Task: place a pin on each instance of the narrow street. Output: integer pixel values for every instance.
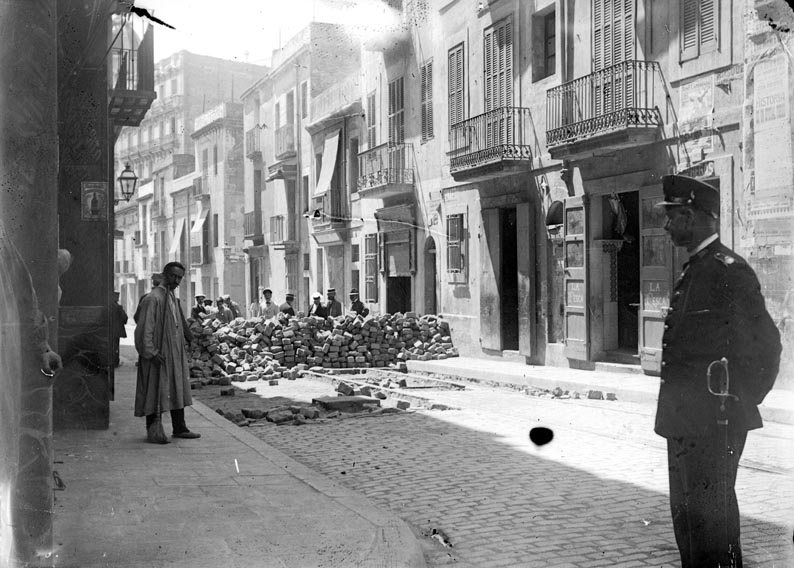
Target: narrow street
(595, 496)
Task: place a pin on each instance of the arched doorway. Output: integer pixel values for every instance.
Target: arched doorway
(431, 290)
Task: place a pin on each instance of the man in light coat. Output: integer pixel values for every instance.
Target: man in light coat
(161, 339)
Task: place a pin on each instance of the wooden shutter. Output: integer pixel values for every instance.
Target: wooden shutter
(396, 114)
(689, 29)
(598, 35)
(371, 122)
(371, 267)
(455, 85)
(427, 100)
(454, 242)
(708, 22)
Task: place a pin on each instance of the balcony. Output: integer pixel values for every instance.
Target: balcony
(253, 144)
(282, 233)
(131, 91)
(285, 142)
(343, 98)
(158, 209)
(200, 189)
(617, 107)
(386, 170)
(252, 227)
(492, 144)
(329, 223)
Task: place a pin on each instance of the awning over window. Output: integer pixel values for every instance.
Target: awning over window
(329, 164)
(177, 238)
(200, 218)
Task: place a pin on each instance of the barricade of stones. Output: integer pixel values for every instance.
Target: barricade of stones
(295, 415)
(269, 349)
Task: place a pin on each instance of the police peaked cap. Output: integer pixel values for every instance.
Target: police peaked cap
(685, 190)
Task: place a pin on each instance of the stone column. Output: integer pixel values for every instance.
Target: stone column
(28, 216)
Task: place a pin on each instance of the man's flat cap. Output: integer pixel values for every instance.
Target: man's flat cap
(353, 292)
(290, 296)
(316, 296)
(266, 290)
(685, 190)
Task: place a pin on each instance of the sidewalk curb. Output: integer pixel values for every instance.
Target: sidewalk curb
(393, 543)
(627, 387)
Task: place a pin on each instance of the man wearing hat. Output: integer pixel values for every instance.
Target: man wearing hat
(357, 305)
(267, 308)
(716, 313)
(199, 311)
(286, 307)
(317, 308)
(333, 306)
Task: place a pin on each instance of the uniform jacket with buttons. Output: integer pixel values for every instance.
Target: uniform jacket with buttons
(717, 310)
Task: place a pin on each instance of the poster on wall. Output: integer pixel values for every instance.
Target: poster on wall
(774, 171)
(93, 197)
(696, 112)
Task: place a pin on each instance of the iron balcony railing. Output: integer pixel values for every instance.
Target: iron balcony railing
(501, 134)
(252, 224)
(282, 229)
(253, 145)
(618, 97)
(387, 164)
(285, 140)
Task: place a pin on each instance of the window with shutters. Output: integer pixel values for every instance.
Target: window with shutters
(372, 133)
(613, 32)
(396, 112)
(371, 267)
(613, 43)
(498, 60)
(699, 26)
(456, 240)
(498, 81)
(427, 100)
(455, 85)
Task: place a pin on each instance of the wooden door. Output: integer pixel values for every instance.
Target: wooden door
(525, 250)
(656, 270)
(577, 321)
(490, 307)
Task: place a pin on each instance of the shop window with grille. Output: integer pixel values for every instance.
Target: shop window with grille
(456, 257)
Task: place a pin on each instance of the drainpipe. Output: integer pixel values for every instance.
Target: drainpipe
(298, 180)
(28, 214)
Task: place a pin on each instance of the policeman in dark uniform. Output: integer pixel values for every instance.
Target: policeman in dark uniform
(716, 311)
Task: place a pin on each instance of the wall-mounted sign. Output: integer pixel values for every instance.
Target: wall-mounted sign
(696, 111)
(93, 198)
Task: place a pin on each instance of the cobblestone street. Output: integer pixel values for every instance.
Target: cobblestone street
(595, 496)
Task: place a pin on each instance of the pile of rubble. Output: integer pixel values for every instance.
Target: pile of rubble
(269, 349)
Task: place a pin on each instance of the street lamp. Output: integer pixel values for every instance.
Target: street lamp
(127, 181)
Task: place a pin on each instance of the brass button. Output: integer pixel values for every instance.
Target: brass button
(664, 363)
(664, 345)
(667, 326)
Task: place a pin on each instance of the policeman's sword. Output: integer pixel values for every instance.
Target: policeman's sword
(723, 392)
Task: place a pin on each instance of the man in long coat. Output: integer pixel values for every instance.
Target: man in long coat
(160, 339)
(717, 314)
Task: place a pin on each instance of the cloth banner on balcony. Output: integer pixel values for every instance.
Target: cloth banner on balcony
(329, 164)
(200, 218)
(180, 226)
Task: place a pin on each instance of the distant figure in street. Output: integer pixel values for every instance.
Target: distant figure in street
(233, 306)
(161, 339)
(286, 307)
(156, 280)
(317, 308)
(224, 314)
(118, 319)
(199, 312)
(267, 308)
(334, 307)
(357, 305)
(717, 322)
(253, 308)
